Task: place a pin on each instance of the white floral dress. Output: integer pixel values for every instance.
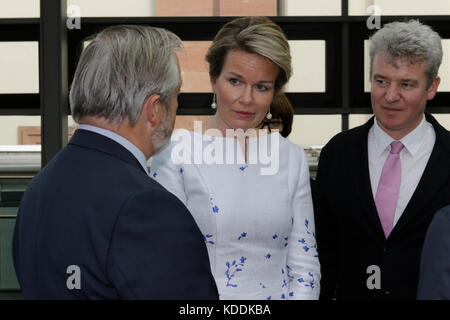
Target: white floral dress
(259, 229)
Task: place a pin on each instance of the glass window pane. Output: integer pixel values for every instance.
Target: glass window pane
(20, 130)
(215, 7)
(359, 7)
(308, 65)
(187, 122)
(185, 8)
(314, 130)
(112, 8)
(19, 65)
(194, 68)
(247, 7)
(355, 120)
(444, 70)
(20, 149)
(443, 119)
(19, 9)
(401, 7)
(310, 8)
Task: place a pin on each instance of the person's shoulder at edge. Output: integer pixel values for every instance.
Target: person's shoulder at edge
(442, 216)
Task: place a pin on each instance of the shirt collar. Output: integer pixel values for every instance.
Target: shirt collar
(412, 141)
(137, 153)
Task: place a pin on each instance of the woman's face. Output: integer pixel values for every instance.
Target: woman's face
(244, 90)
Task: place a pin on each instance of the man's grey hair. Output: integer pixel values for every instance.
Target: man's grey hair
(120, 68)
(412, 40)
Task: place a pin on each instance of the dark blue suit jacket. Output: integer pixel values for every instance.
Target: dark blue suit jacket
(434, 283)
(93, 206)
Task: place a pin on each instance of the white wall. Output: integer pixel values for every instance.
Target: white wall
(401, 7)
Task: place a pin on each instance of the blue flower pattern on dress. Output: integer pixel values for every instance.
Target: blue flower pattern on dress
(310, 283)
(275, 236)
(243, 235)
(215, 209)
(285, 283)
(232, 269)
(307, 245)
(306, 279)
(290, 277)
(208, 239)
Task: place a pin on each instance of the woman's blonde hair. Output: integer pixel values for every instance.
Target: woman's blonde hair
(254, 35)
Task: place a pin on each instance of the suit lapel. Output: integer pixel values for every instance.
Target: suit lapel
(361, 180)
(436, 173)
(93, 140)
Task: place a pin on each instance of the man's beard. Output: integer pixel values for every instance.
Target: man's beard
(161, 135)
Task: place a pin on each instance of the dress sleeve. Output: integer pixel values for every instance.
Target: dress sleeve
(167, 166)
(302, 262)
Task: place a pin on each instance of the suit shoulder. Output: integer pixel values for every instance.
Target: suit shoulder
(158, 196)
(443, 215)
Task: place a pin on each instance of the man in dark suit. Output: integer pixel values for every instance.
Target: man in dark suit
(92, 224)
(379, 185)
(434, 281)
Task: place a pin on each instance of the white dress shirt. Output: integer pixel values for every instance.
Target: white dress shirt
(414, 157)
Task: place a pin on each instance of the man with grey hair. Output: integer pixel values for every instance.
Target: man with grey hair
(379, 185)
(92, 224)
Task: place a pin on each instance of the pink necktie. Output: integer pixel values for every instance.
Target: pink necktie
(389, 187)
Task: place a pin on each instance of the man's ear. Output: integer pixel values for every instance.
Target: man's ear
(433, 88)
(154, 110)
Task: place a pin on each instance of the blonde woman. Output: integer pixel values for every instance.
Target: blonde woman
(258, 224)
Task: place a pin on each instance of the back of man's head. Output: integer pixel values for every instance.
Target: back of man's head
(120, 68)
(412, 40)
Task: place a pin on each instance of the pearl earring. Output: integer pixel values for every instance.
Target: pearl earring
(269, 115)
(214, 104)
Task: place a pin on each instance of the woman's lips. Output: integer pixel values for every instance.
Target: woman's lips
(244, 115)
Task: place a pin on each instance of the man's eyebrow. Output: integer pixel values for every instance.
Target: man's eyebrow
(410, 80)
